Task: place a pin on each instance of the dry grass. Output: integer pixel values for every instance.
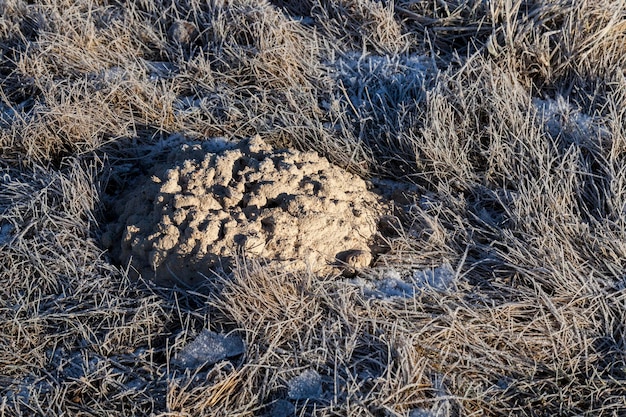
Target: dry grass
(506, 116)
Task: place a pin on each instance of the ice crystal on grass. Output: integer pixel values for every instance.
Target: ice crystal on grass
(422, 412)
(381, 78)
(209, 348)
(22, 392)
(382, 96)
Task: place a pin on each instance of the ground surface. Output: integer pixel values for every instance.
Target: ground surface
(291, 210)
(476, 151)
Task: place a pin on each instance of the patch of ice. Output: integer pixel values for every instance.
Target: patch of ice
(161, 70)
(21, 393)
(208, 348)
(306, 386)
(441, 278)
(560, 117)
(393, 285)
(6, 231)
(422, 412)
(390, 286)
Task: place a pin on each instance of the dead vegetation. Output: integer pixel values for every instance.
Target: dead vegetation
(506, 117)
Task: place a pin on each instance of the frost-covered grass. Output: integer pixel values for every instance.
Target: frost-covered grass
(503, 287)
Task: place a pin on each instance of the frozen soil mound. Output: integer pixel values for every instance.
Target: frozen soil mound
(209, 203)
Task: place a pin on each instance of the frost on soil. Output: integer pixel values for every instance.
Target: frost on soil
(210, 203)
(209, 348)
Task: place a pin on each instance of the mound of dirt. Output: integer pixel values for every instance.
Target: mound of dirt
(209, 203)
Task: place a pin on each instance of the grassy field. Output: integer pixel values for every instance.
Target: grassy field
(504, 119)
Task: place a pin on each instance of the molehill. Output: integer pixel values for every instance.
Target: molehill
(212, 201)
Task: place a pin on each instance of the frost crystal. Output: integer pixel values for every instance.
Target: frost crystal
(440, 279)
(209, 348)
(393, 285)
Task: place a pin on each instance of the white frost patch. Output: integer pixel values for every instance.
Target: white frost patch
(436, 411)
(393, 285)
(560, 117)
(383, 79)
(440, 279)
(208, 348)
(306, 386)
(21, 393)
(360, 69)
(422, 412)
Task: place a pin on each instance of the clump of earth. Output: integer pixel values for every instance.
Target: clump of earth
(209, 204)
